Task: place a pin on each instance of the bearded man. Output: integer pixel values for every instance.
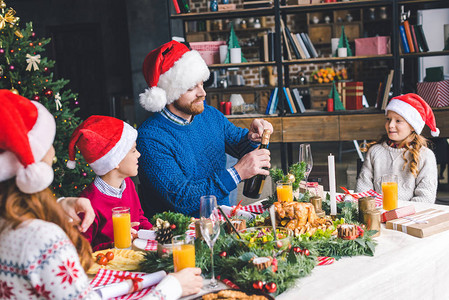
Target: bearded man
(183, 145)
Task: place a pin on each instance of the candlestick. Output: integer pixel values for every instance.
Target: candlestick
(332, 187)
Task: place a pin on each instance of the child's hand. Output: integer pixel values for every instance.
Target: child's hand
(134, 231)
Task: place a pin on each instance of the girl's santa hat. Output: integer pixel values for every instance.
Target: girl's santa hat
(27, 132)
(170, 71)
(103, 141)
(415, 111)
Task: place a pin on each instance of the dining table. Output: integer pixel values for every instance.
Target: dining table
(402, 267)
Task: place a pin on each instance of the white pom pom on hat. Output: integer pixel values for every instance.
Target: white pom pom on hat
(170, 71)
(416, 111)
(28, 130)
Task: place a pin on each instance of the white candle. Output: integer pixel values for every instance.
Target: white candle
(333, 200)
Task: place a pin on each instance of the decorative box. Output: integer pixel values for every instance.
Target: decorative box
(378, 45)
(434, 93)
(351, 94)
(398, 213)
(225, 7)
(313, 187)
(422, 224)
(209, 51)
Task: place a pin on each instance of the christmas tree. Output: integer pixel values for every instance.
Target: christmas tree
(343, 42)
(233, 42)
(338, 105)
(26, 72)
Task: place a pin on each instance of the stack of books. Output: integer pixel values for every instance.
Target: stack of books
(413, 38)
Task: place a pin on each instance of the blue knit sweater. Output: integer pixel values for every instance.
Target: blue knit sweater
(179, 164)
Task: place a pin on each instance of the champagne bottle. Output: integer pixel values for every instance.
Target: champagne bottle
(253, 186)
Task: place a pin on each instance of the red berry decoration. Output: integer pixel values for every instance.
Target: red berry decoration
(360, 231)
(48, 93)
(306, 252)
(297, 250)
(258, 285)
(33, 34)
(36, 98)
(223, 254)
(172, 226)
(271, 287)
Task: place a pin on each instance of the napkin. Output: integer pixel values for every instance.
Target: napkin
(115, 286)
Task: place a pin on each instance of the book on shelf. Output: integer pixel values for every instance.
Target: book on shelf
(303, 46)
(292, 101)
(287, 46)
(292, 43)
(271, 42)
(272, 102)
(289, 101)
(408, 35)
(176, 5)
(264, 56)
(415, 41)
(298, 46)
(257, 3)
(379, 95)
(387, 89)
(298, 100)
(422, 42)
(404, 42)
(308, 43)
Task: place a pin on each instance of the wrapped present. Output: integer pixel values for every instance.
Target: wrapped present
(313, 187)
(434, 93)
(378, 45)
(398, 213)
(422, 224)
(351, 94)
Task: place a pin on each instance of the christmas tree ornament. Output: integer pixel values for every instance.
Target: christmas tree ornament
(306, 252)
(233, 42)
(2, 51)
(344, 43)
(33, 34)
(291, 178)
(223, 254)
(48, 93)
(271, 287)
(58, 101)
(8, 18)
(54, 160)
(11, 67)
(36, 98)
(2, 4)
(32, 62)
(18, 33)
(258, 285)
(164, 233)
(14, 91)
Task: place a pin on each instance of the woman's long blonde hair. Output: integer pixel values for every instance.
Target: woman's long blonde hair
(413, 143)
(17, 207)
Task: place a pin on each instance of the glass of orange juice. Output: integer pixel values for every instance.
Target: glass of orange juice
(284, 191)
(183, 252)
(390, 191)
(121, 222)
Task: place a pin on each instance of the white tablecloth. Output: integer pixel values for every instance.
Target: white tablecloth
(403, 267)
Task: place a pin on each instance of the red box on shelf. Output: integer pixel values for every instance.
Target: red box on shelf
(378, 45)
(397, 213)
(434, 93)
(209, 51)
(351, 94)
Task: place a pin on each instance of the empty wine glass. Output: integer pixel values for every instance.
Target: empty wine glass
(305, 155)
(210, 228)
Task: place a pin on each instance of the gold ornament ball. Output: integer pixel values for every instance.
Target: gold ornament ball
(14, 91)
(2, 4)
(291, 177)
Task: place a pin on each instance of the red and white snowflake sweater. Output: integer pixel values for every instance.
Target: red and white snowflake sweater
(38, 261)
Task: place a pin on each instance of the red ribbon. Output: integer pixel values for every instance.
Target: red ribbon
(348, 193)
(135, 281)
(234, 211)
(312, 184)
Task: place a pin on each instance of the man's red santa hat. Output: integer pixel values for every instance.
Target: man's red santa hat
(415, 111)
(103, 141)
(27, 131)
(170, 71)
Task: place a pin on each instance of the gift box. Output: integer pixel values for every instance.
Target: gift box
(422, 224)
(313, 188)
(397, 213)
(351, 94)
(209, 51)
(434, 93)
(378, 45)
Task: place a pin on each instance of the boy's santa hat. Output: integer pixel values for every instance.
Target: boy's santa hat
(170, 71)
(103, 141)
(27, 131)
(415, 111)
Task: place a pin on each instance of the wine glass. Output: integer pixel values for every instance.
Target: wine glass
(210, 228)
(305, 155)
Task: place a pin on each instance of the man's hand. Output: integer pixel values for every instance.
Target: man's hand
(190, 280)
(73, 205)
(134, 231)
(252, 163)
(256, 129)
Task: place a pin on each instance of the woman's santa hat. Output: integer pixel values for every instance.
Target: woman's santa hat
(27, 133)
(103, 141)
(170, 71)
(415, 111)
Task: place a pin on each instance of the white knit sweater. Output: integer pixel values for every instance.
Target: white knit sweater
(382, 159)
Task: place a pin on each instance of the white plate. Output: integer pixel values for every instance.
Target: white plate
(146, 234)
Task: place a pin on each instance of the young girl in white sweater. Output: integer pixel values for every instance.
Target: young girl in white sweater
(403, 151)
